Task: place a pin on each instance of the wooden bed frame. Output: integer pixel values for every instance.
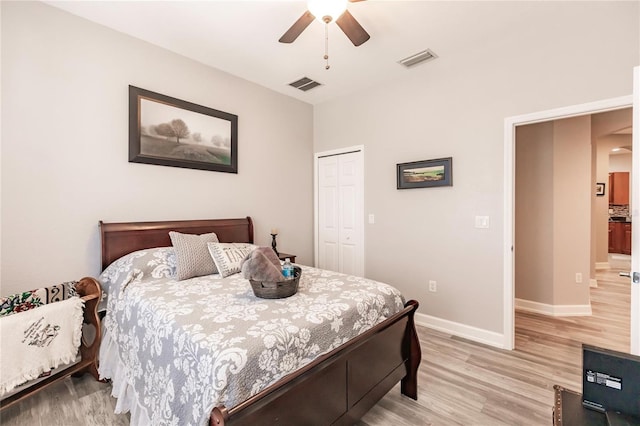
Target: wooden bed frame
(90, 291)
(338, 387)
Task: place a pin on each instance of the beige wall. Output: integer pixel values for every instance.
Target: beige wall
(572, 210)
(65, 147)
(534, 195)
(456, 106)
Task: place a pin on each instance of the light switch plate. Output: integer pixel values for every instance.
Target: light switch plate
(482, 222)
(372, 219)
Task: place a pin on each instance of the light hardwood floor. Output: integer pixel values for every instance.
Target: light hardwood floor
(460, 382)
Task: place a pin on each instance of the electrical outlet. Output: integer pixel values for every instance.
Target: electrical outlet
(578, 278)
(433, 286)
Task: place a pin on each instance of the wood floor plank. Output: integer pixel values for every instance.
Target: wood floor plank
(460, 382)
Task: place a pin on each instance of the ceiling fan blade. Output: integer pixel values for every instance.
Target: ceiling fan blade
(355, 1)
(297, 28)
(352, 28)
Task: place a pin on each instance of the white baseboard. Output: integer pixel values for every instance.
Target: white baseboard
(553, 310)
(603, 265)
(593, 283)
(479, 335)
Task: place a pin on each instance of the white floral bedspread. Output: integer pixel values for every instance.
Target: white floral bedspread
(187, 346)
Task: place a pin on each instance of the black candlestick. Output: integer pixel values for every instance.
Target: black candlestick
(273, 244)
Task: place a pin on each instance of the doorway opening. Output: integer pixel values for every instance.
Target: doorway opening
(511, 124)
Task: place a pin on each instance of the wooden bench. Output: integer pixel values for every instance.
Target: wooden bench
(90, 291)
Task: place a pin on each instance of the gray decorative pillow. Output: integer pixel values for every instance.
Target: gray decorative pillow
(192, 257)
(229, 256)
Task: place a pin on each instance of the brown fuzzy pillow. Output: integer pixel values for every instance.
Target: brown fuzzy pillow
(262, 264)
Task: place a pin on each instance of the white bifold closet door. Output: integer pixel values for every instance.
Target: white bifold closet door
(340, 213)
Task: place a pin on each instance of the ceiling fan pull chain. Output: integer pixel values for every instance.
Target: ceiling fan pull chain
(326, 45)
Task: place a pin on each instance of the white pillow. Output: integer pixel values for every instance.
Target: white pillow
(192, 257)
(229, 256)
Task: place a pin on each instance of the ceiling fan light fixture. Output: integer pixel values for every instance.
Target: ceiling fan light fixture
(322, 9)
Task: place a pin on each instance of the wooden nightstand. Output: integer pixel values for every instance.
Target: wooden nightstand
(283, 256)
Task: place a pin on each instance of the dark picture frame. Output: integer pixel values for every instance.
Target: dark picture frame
(425, 174)
(600, 189)
(166, 131)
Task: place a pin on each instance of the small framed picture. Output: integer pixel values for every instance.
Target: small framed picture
(425, 174)
(600, 189)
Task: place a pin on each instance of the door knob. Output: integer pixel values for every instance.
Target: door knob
(635, 277)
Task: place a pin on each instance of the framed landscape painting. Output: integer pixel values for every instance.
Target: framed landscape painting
(171, 132)
(424, 174)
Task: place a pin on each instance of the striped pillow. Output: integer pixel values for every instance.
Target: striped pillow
(228, 256)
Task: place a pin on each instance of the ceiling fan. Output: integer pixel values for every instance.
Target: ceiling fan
(327, 11)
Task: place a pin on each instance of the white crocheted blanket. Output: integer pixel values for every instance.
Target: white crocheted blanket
(35, 341)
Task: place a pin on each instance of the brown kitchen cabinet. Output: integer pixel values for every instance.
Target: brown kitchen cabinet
(626, 241)
(620, 237)
(619, 188)
(612, 238)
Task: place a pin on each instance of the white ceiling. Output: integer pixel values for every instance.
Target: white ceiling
(241, 37)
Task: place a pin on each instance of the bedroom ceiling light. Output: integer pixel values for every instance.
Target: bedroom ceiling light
(327, 10)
